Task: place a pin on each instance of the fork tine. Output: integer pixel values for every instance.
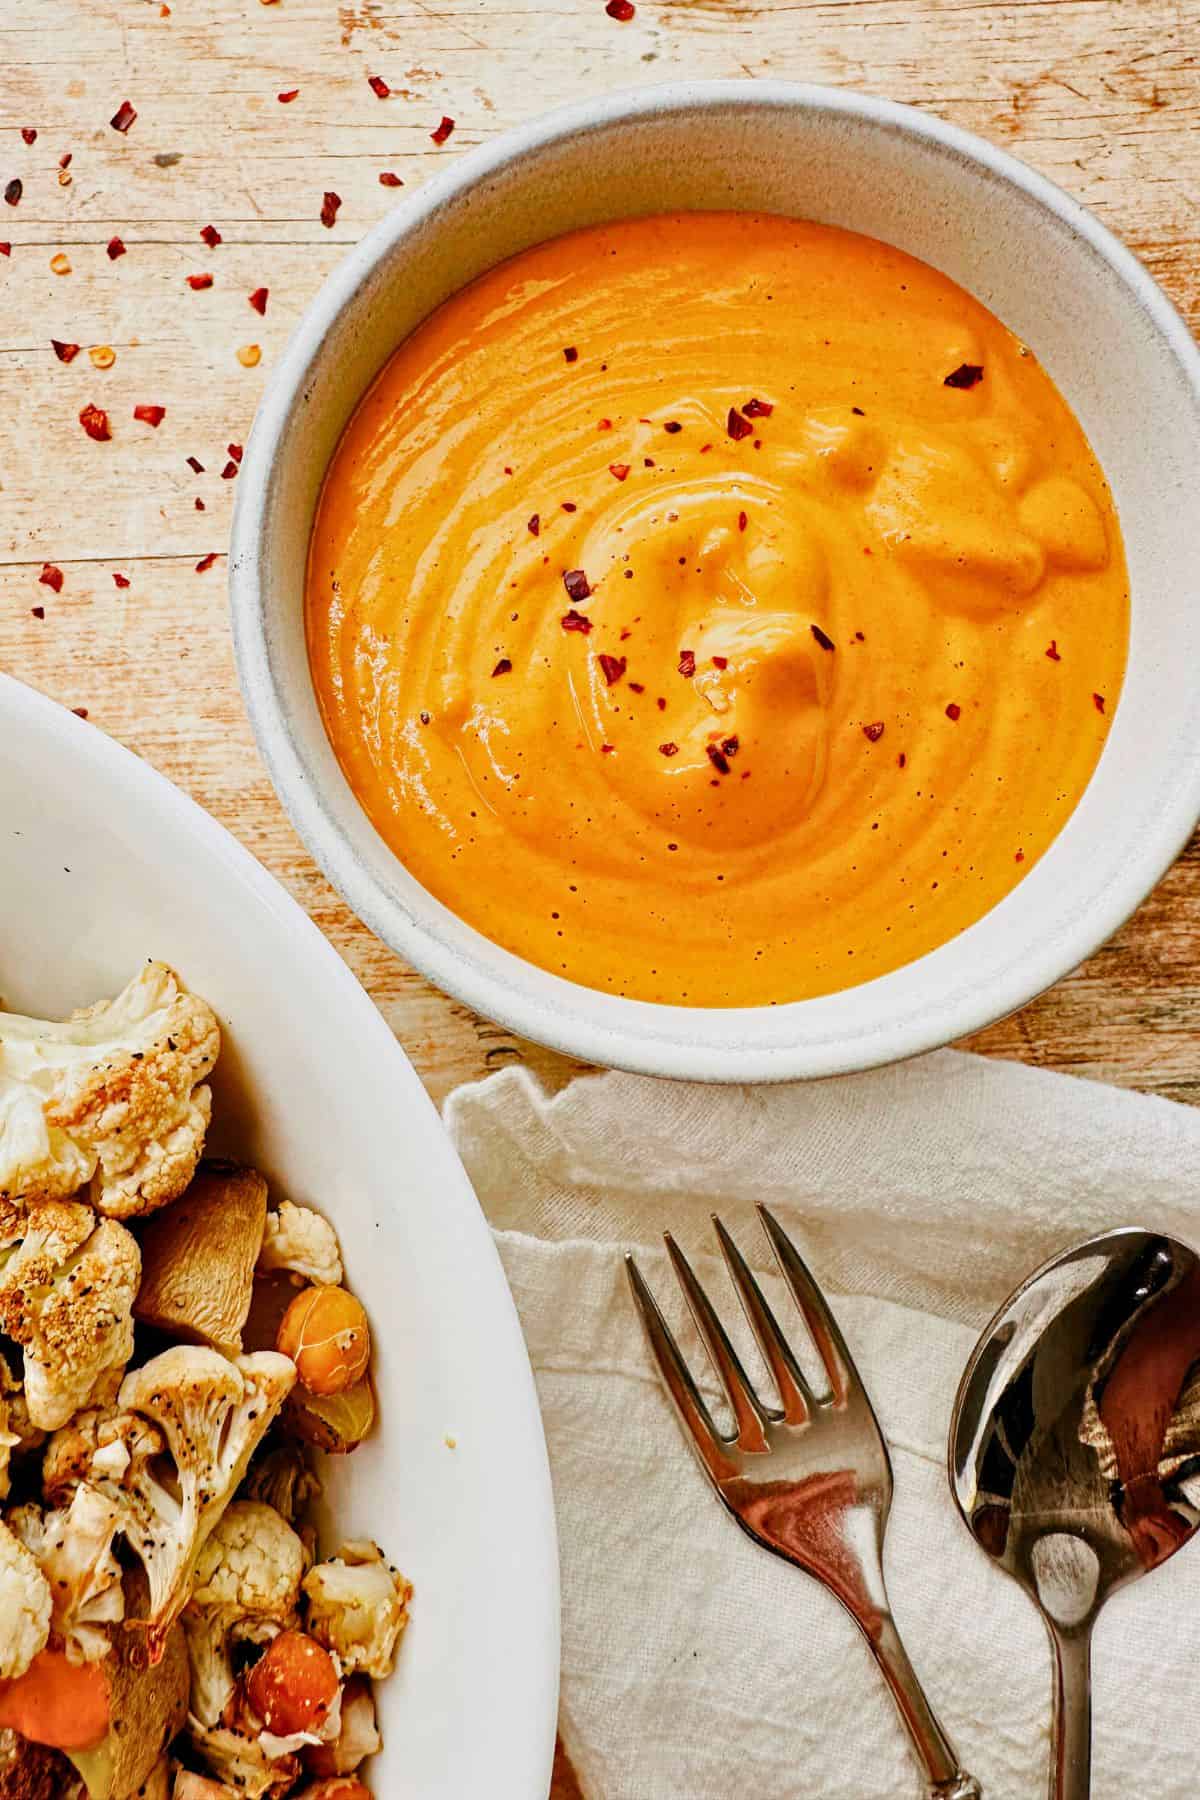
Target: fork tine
(693, 1414)
(831, 1345)
(793, 1389)
(748, 1411)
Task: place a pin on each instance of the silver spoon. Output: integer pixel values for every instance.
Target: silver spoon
(1075, 1446)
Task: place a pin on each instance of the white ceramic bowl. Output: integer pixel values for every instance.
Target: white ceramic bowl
(1105, 332)
(103, 863)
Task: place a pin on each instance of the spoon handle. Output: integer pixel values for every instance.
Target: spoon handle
(1071, 1732)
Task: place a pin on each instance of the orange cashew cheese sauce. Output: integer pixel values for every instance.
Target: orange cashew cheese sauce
(716, 608)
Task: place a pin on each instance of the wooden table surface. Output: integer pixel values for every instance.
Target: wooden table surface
(1101, 95)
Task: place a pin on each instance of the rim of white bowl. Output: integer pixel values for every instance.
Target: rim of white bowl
(651, 1038)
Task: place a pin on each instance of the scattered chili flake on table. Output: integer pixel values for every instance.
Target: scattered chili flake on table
(193, 462)
(329, 208)
(29, 133)
(235, 450)
(115, 248)
(51, 577)
(687, 664)
(198, 282)
(94, 420)
(618, 471)
(211, 236)
(14, 190)
(1098, 702)
(672, 425)
(381, 90)
(874, 732)
(621, 10)
(965, 376)
(206, 562)
(154, 415)
(953, 711)
(503, 667)
(1052, 652)
(533, 524)
(577, 584)
(736, 425)
(229, 471)
(258, 299)
(758, 409)
(119, 580)
(198, 504)
(5, 248)
(287, 96)
(613, 667)
(65, 352)
(822, 637)
(668, 749)
(576, 621)
(250, 355)
(388, 178)
(65, 178)
(39, 612)
(60, 263)
(570, 353)
(443, 131)
(102, 356)
(123, 118)
(81, 712)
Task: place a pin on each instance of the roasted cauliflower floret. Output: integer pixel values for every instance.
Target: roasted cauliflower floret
(241, 1762)
(358, 1607)
(246, 1589)
(73, 1547)
(302, 1242)
(111, 1101)
(67, 1286)
(24, 1606)
(174, 1456)
(69, 1451)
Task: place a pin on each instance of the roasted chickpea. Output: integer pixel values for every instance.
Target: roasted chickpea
(293, 1685)
(342, 1787)
(325, 1332)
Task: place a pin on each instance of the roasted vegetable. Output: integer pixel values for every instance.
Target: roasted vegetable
(199, 1255)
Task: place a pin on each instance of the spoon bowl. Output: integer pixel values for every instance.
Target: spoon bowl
(1075, 1446)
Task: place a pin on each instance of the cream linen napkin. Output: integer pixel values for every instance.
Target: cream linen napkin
(696, 1667)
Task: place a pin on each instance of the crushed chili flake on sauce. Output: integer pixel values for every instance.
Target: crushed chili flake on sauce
(533, 524)
(621, 10)
(378, 86)
(965, 376)
(569, 506)
(618, 471)
(29, 133)
(874, 732)
(668, 749)
(570, 353)
(637, 687)
(730, 746)
(51, 577)
(603, 424)
(901, 760)
(661, 704)
(672, 425)
(198, 282)
(14, 190)
(954, 711)
(743, 521)
(119, 580)
(758, 409)
(687, 663)
(717, 758)
(607, 749)
(576, 621)
(258, 299)
(329, 208)
(720, 662)
(154, 415)
(65, 352)
(211, 236)
(736, 425)
(576, 584)
(442, 132)
(503, 667)
(123, 118)
(389, 178)
(195, 464)
(206, 562)
(1020, 856)
(1098, 702)
(612, 666)
(287, 96)
(822, 637)
(1052, 652)
(94, 420)
(115, 248)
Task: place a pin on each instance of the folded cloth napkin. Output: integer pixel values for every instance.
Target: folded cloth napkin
(695, 1666)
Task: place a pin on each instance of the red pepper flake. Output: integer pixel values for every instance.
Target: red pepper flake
(94, 420)
(954, 711)
(380, 89)
(668, 749)
(39, 612)
(81, 712)
(1052, 652)
(329, 208)
(570, 353)
(235, 450)
(29, 133)
(443, 131)
(389, 178)
(720, 662)
(637, 687)
(736, 425)
(533, 524)
(199, 282)
(569, 506)
(196, 465)
(603, 424)
(150, 415)
(123, 118)
(965, 376)
(717, 758)
(211, 236)
(1098, 702)
(620, 10)
(119, 580)
(758, 409)
(1020, 856)
(576, 584)
(730, 746)
(14, 190)
(613, 667)
(661, 704)
(504, 666)
(743, 521)
(901, 760)
(672, 425)
(65, 352)
(287, 96)
(229, 471)
(206, 562)
(607, 749)
(618, 471)
(687, 663)
(115, 248)
(198, 504)
(576, 621)
(51, 577)
(822, 637)
(5, 248)
(874, 732)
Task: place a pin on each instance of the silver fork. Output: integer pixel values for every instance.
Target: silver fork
(810, 1479)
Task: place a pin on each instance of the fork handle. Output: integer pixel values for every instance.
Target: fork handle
(947, 1779)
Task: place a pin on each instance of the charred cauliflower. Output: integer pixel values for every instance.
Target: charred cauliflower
(24, 1606)
(246, 1589)
(357, 1608)
(111, 1101)
(73, 1548)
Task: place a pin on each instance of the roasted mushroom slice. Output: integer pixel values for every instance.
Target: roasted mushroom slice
(199, 1256)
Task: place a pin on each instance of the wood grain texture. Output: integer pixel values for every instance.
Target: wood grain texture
(1103, 97)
